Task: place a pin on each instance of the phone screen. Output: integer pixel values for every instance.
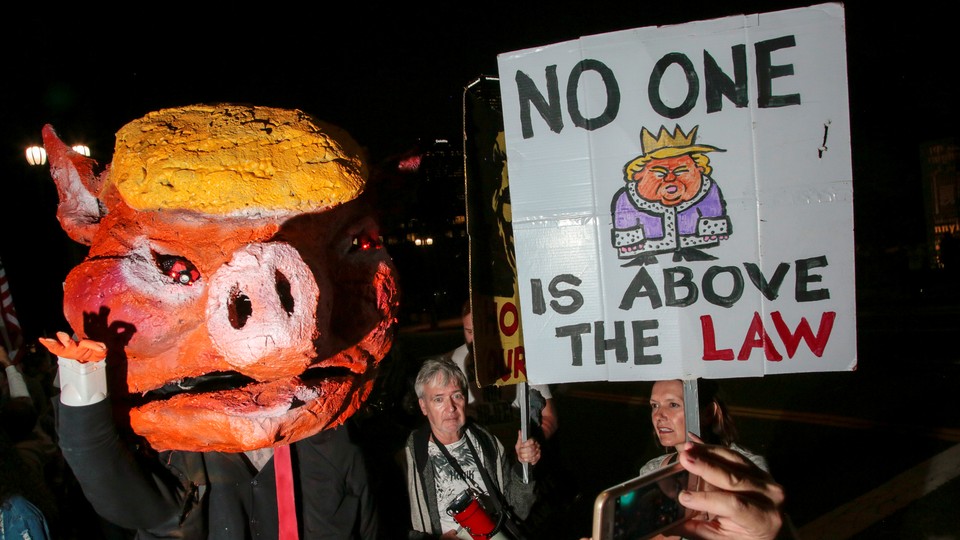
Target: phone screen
(649, 508)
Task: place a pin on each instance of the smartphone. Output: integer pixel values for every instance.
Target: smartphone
(644, 506)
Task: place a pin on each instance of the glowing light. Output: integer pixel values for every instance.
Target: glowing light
(82, 149)
(410, 164)
(36, 155)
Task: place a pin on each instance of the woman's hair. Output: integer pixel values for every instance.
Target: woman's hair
(716, 424)
(443, 371)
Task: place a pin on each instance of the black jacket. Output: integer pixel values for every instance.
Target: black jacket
(215, 495)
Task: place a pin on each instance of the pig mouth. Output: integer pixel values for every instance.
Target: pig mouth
(227, 382)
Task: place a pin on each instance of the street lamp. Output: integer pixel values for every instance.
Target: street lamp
(36, 155)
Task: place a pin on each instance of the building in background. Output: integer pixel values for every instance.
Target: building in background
(939, 161)
(423, 215)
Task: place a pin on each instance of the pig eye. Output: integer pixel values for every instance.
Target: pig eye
(178, 269)
(366, 242)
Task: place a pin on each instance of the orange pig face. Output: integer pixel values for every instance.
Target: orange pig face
(234, 272)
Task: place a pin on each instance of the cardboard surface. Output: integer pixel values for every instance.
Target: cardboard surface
(757, 275)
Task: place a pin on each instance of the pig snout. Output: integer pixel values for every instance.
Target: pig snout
(262, 311)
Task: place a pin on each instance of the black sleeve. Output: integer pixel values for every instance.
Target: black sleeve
(125, 491)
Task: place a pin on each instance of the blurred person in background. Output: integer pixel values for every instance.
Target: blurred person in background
(24, 504)
(20, 421)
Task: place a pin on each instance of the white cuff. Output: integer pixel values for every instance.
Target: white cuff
(82, 383)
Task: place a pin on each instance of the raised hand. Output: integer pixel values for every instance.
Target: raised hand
(82, 351)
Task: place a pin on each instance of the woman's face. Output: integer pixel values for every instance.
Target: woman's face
(666, 404)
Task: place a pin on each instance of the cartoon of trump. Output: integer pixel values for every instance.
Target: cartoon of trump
(669, 203)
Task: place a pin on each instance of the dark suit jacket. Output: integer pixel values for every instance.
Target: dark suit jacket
(215, 495)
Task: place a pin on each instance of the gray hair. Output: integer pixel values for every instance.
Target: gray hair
(441, 371)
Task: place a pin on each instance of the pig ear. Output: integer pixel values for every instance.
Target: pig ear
(79, 210)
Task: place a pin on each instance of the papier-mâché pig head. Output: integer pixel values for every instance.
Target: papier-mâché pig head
(234, 272)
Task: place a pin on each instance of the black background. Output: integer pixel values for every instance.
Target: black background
(392, 75)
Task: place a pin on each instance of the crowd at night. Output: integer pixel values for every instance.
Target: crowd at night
(395, 78)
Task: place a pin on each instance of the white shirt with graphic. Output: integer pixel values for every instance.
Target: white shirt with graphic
(449, 483)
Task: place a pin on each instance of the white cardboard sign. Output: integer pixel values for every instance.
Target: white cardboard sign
(682, 200)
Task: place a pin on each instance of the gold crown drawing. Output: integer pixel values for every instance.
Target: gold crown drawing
(666, 145)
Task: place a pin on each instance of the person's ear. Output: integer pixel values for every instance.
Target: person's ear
(423, 406)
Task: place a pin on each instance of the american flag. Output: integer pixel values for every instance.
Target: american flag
(10, 329)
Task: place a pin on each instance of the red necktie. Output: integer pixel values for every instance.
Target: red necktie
(286, 509)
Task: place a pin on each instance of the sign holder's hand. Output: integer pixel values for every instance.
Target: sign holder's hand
(528, 451)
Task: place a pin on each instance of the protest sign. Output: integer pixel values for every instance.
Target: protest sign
(682, 200)
(498, 338)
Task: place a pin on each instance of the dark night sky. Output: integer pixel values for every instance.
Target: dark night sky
(389, 76)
